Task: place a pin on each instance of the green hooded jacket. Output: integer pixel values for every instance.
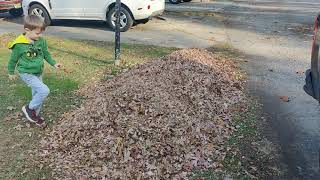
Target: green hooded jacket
(28, 57)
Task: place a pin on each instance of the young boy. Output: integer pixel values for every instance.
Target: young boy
(29, 51)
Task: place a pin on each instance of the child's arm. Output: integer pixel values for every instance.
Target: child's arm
(14, 58)
(47, 55)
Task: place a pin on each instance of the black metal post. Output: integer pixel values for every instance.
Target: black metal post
(117, 33)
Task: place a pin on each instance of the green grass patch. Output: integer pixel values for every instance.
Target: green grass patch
(85, 62)
(236, 162)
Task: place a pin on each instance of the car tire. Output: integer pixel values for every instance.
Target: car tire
(16, 12)
(126, 19)
(175, 1)
(39, 10)
(187, 0)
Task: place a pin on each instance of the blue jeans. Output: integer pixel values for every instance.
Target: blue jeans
(40, 91)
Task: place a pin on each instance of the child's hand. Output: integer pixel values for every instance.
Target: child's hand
(12, 77)
(58, 65)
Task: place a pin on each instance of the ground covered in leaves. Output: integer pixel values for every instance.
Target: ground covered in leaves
(163, 119)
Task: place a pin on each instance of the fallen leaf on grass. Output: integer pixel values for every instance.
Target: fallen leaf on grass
(29, 134)
(18, 127)
(14, 116)
(66, 71)
(28, 125)
(11, 108)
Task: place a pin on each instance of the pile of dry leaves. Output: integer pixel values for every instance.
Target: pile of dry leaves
(159, 120)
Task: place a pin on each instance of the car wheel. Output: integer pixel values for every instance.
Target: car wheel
(175, 1)
(126, 20)
(187, 0)
(39, 10)
(16, 12)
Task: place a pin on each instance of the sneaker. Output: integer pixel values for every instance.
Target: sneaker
(40, 121)
(30, 114)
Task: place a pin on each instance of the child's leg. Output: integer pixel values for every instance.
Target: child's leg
(40, 91)
(34, 93)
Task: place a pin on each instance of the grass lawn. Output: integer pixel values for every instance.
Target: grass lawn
(84, 62)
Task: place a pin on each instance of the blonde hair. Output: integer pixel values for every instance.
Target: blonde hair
(32, 22)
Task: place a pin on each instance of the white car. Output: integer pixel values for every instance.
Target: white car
(131, 11)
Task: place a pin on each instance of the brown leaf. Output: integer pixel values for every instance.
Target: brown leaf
(285, 98)
(10, 108)
(300, 72)
(18, 127)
